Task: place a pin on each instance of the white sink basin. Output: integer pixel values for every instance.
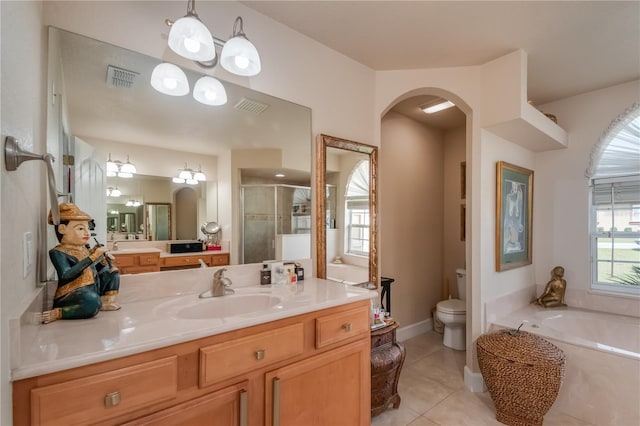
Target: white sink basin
(231, 305)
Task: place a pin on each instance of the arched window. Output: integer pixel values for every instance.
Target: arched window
(614, 174)
(357, 210)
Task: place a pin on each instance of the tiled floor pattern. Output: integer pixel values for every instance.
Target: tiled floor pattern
(433, 393)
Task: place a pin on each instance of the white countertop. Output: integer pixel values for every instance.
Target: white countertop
(146, 323)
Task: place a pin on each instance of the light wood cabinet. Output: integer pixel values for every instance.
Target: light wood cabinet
(190, 260)
(136, 263)
(249, 376)
(328, 389)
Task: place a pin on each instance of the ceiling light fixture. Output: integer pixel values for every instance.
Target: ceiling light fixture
(191, 39)
(120, 169)
(133, 203)
(435, 107)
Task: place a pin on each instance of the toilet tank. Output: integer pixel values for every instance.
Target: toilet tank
(461, 280)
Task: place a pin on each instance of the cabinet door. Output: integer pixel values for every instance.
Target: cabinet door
(329, 389)
(226, 407)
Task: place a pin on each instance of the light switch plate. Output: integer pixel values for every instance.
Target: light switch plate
(27, 253)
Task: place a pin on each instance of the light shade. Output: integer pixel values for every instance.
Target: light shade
(169, 79)
(199, 176)
(209, 91)
(128, 167)
(185, 174)
(190, 38)
(240, 56)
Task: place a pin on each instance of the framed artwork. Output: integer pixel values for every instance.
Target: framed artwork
(463, 180)
(463, 214)
(514, 208)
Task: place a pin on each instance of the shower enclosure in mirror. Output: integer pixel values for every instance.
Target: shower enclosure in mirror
(93, 113)
(276, 219)
(346, 210)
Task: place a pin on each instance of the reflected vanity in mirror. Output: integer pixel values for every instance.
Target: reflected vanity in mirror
(346, 207)
(101, 102)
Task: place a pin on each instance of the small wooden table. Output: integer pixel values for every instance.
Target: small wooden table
(387, 357)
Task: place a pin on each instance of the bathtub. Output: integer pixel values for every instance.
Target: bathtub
(602, 380)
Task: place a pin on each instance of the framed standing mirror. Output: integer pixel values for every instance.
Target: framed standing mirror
(346, 210)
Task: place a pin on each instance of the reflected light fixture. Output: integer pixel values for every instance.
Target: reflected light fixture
(133, 203)
(439, 105)
(113, 192)
(209, 91)
(169, 79)
(189, 176)
(120, 169)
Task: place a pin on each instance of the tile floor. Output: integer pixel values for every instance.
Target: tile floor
(433, 392)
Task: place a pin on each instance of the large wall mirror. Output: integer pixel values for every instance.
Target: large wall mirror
(101, 103)
(346, 207)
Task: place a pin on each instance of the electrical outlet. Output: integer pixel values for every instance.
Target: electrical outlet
(27, 253)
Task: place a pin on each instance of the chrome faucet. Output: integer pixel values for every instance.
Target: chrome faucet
(220, 287)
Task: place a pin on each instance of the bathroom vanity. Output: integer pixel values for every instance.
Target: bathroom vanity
(287, 355)
(136, 261)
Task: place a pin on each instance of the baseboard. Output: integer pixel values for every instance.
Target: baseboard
(413, 330)
(474, 381)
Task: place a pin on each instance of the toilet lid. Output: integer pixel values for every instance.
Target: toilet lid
(452, 306)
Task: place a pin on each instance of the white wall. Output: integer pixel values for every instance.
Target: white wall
(453, 247)
(561, 222)
(22, 86)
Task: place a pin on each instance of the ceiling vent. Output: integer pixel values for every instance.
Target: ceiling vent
(250, 105)
(119, 77)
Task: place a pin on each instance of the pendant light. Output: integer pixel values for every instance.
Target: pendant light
(239, 55)
(190, 38)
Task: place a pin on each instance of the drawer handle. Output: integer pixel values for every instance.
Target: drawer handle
(112, 399)
(275, 421)
(243, 407)
(346, 327)
(260, 354)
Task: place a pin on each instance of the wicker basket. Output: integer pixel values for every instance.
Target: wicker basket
(523, 373)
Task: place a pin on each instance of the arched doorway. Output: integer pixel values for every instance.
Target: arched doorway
(186, 202)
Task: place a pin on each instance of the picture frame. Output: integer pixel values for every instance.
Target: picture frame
(463, 180)
(463, 215)
(514, 216)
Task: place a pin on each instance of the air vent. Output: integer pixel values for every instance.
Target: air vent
(119, 77)
(250, 105)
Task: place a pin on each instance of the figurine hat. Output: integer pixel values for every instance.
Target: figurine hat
(69, 211)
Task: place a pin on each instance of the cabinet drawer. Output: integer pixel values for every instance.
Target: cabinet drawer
(124, 260)
(219, 260)
(106, 395)
(341, 326)
(183, 260)
(149, 259)
(225, 360)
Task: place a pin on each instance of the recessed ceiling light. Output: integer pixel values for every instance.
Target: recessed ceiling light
(279, 175)
(430, 109)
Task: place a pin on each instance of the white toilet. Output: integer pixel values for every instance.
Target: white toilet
(453, 314)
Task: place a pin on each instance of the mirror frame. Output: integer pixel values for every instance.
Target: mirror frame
(146, 217)
(322, 143)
